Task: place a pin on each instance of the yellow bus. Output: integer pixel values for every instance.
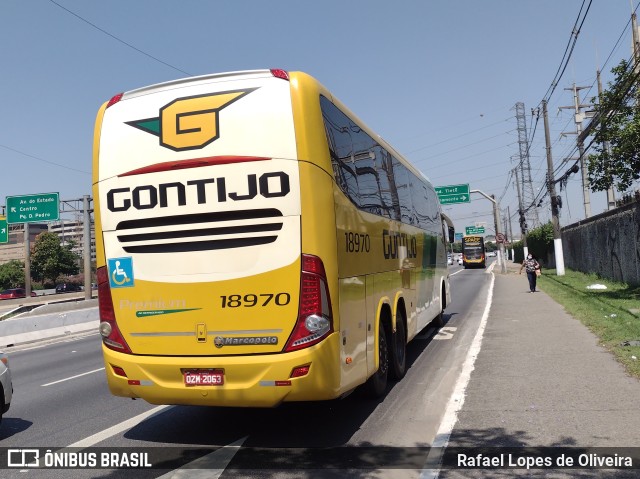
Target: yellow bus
(257, 244)
(473, 253)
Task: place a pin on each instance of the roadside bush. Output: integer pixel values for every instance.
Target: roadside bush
(539, 243)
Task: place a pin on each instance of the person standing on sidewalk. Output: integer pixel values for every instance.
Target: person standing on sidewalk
(532, 268)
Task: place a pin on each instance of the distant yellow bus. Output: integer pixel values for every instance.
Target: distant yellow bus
(257, 244)
(473, 253)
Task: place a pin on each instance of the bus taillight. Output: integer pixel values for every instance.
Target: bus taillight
(111, 336)
(314, 312)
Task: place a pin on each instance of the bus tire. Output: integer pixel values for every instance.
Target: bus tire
(398, 349)
(376, 385)
(438, 321)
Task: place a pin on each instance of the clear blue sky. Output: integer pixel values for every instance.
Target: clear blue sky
(437, 79)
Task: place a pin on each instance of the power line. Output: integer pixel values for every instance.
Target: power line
(568, 51)
(117, 39)
(456, 137)
(560, 72)
(42, 160)
(466, 146)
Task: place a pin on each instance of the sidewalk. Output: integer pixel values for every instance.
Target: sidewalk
(542, 380)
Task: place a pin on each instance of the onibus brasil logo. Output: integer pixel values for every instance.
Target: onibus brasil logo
(191, 122)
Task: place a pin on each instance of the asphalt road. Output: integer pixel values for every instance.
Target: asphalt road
(61, 399)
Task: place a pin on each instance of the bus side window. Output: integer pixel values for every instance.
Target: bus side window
(421, 205)
(371, 198)
(337, 128)
(387, 183)
(403, 188)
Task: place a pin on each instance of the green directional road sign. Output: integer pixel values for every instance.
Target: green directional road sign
(453, 194)
(4, 230)
(474, 230)
(33, 208)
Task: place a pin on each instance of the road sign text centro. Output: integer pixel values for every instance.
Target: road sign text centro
(33, 208)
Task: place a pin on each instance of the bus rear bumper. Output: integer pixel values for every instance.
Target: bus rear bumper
(249, 381)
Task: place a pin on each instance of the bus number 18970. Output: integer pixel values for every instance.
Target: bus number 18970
(357, 242)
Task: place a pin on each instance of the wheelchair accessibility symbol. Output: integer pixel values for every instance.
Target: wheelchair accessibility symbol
(121, 272)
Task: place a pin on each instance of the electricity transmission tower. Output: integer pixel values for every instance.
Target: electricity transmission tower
(528, 197)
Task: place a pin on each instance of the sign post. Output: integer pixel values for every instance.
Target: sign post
(453, 194)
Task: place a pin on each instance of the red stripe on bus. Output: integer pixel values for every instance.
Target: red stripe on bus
(192, 163)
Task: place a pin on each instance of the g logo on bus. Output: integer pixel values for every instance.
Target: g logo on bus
(191, 122)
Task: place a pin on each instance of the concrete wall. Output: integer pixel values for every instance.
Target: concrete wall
(49, 321)
(607, 244)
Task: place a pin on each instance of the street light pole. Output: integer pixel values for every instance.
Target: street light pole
(496, 221)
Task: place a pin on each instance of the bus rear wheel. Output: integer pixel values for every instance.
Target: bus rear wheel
(438, 321)
(398, 355)
(376, 385)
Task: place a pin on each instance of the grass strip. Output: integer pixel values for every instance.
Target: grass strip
(612, 314)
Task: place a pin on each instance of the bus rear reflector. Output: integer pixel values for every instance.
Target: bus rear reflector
(276, 72)
(115, 99)
(314, 311)
(111, 336)
(119, 371)
(300, 371)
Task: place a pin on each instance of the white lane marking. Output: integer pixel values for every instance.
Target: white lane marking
(490, 268)
(459, 271)
(457, 398)
(210, 466)
(446, 332)
(118, 428)
(72, 377)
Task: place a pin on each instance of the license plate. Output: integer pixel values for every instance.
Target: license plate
(203, 377)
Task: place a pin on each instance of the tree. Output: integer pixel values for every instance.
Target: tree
(12, 274)
(50, 259)
(618, 124)
(540, 241)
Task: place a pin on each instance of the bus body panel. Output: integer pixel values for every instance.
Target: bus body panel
(212, 250)
(242, 116)
(208, 153)
(250, 380)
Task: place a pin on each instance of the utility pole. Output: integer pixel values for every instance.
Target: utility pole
(555, 216)
(611, 195)
(496, 220)
(578, 118)
(510, 232)
(27, 262)
(635, 48)
(86, 233)
(523, 221)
